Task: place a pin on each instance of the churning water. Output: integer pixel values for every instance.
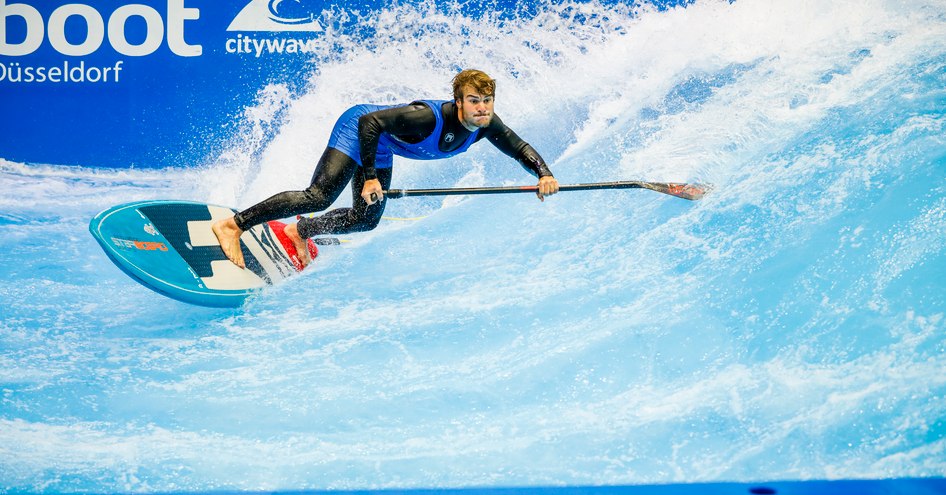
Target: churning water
(788, 326)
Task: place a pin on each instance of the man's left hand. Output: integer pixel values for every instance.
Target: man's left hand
(547, 186)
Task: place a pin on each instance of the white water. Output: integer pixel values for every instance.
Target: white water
(788, 326)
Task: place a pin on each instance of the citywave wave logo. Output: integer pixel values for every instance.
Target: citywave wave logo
(277, 15)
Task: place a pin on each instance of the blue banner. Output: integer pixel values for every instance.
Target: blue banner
(111, 83)
(151, 83)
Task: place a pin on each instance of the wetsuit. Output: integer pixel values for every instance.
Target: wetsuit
(362, 147)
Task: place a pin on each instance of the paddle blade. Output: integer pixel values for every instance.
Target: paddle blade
(692, 192)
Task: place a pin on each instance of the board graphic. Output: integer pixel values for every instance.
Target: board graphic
(169, 247)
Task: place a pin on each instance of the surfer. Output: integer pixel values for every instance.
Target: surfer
(361, 151)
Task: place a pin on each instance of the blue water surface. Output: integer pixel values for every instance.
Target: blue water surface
(789, 326)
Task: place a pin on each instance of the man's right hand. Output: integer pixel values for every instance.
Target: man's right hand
(372, 188)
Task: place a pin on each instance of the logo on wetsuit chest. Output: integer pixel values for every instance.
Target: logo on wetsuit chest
(449, 137)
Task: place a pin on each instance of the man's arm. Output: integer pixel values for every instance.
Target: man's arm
(515, 147)
(411, 123)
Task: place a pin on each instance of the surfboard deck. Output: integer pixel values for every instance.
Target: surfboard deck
(169, 247)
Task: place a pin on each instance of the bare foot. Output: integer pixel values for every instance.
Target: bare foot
(228, 235)
(302, 245)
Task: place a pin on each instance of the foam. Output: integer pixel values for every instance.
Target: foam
(788, 326)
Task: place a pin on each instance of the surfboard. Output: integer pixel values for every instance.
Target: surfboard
(169, 247)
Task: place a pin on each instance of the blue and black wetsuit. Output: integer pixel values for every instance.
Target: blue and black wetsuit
(362, 147)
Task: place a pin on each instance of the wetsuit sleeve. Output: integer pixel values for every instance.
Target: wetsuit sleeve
(514, 147)
(410, 123)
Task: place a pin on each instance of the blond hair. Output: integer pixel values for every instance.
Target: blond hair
(476, 79)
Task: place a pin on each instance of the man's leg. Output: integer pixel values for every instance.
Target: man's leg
(332, 174)
(359, 218)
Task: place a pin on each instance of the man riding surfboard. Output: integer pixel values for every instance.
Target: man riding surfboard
(361, 151)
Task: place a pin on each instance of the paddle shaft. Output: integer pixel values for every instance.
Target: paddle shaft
(681, 190)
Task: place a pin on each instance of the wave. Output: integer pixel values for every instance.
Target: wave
(787, 326)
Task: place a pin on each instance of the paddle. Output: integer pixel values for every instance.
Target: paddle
(683, 190)
(692, 192)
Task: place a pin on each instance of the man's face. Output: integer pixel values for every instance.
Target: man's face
(476, 110)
